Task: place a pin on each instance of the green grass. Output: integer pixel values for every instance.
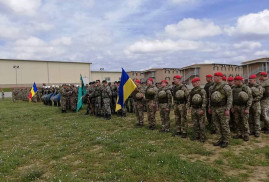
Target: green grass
(38, 142)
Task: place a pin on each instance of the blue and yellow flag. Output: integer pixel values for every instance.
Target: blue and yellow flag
(32, 92)
(127, 86)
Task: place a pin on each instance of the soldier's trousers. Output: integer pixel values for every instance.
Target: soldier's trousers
(221, 122)
(139, 107)
(151, 111)
(211, 125)
(241, 120)
(165, 116)
(198, 123)
(98, 106)
(63, 103)
(73, 103)
(254, 117)
(181, 118)
(107, 108)
(265, 113)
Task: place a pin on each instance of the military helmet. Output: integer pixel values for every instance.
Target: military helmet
(196, 99)
(162, 94)
(255, 91)
(180, 94)
(151, 91)
(216, 97)
(139, 96)
(243, 96)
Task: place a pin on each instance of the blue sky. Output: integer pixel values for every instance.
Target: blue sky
(135, 34)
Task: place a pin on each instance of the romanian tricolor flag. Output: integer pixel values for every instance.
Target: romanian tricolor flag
(127, 86)
(32, 92)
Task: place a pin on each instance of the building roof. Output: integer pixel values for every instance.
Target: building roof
(45, 61)
(203, 64)
(260, 60)
(106, 71)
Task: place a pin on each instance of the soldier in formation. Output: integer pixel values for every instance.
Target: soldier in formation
(197, 102)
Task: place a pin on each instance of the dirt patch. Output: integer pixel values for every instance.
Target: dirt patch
(260, 173)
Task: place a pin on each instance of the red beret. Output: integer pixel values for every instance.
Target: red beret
(263, 73)
(164, 81)
(195, 79)
(218, 74)
(253, 76)
(238, 78)
(230, 78)
(177, 76)
(150, 79)
(224, 78)
(137, 81)
(209, 76)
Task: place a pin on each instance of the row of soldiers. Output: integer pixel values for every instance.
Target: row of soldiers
(234, 105)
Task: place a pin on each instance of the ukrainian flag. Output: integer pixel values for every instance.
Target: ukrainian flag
(127, 86)
(32, 92)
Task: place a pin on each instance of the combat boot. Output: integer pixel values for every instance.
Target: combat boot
(246, 138)
(63, 111)
(266, 131)
(224, 144)
(88, 111)
(218, 143)
(257, 134)
(184, 135)
(124, 115)
(108, 117)
(177, 133)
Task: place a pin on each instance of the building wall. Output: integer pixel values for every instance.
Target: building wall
(40, 72)
(105, 75)
(136, 75)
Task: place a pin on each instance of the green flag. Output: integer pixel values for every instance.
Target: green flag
(79, 104)
(84, 92)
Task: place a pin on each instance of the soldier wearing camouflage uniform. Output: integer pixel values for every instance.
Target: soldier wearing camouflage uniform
(98, 99)
(265, 101)
(242, 101)
(255, 110)
(64, 97)
(106, 96)
(210, 126)
(151, 100)
(74, 98)
(220, 103)
(197, 102)
(180, 95)
(232, 123)
(164, 103)
(114, 97)
(90, 98)
(138, 97)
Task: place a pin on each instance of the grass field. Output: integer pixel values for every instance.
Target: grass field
(40, 143)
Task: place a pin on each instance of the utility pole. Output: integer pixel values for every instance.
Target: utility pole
(16, 67)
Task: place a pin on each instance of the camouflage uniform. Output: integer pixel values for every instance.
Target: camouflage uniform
(74, 98)
(164, 103)
(240, 117)
(139, 105)
(255, 110)
(114, 98)
(106, 96)
(219, 118)
(265, 105)
(14, 95)
(90, 100)
(64, 97)
(151, 100)
(180, 109)
(197, 118)
(98, 100)
(210, 125)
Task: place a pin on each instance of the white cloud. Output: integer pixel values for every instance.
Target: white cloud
(155, 46)
(62, 41)
(254, 23)
(262, 53)
(190, 28)
(23, 7)
(247, 45)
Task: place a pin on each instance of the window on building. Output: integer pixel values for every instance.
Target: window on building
(107, 78)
